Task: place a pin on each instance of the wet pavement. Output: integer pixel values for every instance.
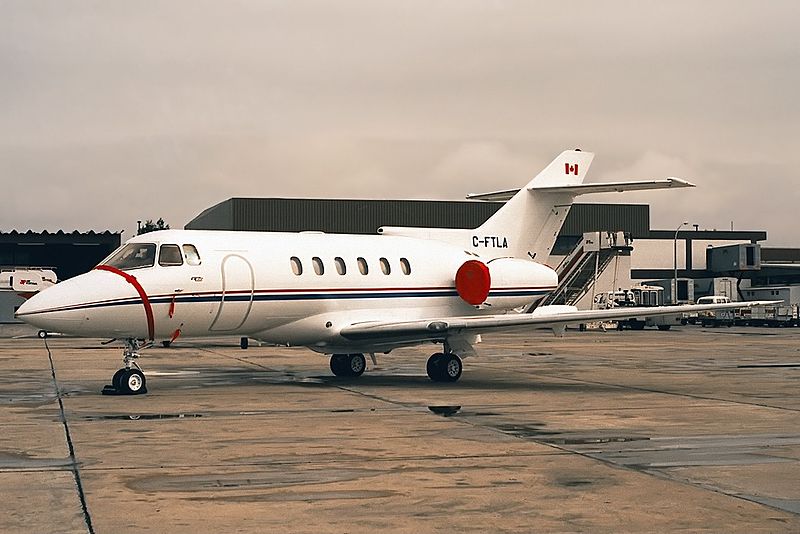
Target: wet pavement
(692, 429)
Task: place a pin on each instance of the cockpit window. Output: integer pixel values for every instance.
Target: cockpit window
(170, 255)
(133, 256)
(192, 256)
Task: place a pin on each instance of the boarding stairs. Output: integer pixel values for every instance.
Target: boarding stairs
(580, 268)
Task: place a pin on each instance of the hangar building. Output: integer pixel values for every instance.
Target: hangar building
(67, 253)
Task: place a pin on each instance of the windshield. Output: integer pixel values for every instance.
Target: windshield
(133, 256)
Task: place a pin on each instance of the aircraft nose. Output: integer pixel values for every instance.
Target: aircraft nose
(32, 305)
(54, 309)
(45, 310)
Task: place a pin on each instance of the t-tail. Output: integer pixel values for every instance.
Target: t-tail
(529, 222)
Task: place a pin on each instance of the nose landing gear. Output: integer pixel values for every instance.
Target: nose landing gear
(129, 380)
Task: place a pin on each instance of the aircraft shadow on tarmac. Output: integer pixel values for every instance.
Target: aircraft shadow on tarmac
(203, 378)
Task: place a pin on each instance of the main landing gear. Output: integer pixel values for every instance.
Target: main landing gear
(444, 367)
(348, 364)
(130, 379)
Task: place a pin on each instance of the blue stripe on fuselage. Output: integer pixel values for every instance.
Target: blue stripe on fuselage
(285, 296)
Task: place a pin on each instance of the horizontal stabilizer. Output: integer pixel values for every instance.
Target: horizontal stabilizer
(494, 196)
(585, 189)
(614, 187)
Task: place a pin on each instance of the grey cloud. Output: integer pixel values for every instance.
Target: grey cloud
(162, 109)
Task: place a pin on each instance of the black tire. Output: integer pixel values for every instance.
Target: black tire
(338, 364)
(166, 343)
(42, 334)
(434, 367)
(133, 382)
(664, 327)
(116, 380)
(244, 343)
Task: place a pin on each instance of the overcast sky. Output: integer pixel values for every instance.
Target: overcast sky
(117, 111)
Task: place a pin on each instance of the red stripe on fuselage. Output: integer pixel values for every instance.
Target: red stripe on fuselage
(148, 309)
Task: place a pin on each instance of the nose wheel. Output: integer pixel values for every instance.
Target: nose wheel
(129, 380)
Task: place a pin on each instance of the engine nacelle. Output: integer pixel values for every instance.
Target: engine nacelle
(504, 282)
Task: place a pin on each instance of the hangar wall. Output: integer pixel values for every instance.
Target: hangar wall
(69, 253)
(366, 216)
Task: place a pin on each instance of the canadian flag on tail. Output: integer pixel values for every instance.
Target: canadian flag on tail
(570, 168)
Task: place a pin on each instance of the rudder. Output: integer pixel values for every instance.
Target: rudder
(528, 224)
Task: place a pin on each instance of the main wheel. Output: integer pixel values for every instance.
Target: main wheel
(434, 366)
(664, 327)
(339, 364)
(451, 368)
(132, 382)
(356, 364)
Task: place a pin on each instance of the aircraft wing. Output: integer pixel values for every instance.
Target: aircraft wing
(440, 327)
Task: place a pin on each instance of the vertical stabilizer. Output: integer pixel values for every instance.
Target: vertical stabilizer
(528, 224)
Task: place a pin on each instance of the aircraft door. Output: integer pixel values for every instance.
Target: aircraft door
(238, 285)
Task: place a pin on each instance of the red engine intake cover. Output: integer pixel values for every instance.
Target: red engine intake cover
(473, 282)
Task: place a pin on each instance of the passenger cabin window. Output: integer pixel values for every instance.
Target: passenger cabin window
(341, 268)
(170, 255)
(405, 266)
(192, 256)
(297, 265)
(133, 256)
(385, 267)
(319, 268)
(362, 266)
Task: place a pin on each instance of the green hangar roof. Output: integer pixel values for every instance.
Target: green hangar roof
(366, 216)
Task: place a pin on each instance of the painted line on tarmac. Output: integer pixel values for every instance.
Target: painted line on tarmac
(87, 518)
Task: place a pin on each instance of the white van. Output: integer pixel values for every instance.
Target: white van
(715, 317)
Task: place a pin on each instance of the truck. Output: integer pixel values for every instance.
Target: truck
(715, 317)
(639, 296)
(18, 284)
(772, 316)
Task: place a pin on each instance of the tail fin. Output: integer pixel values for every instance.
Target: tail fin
(528, 224)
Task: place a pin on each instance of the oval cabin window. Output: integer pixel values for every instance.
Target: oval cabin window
(405, 266)
(362, 266)
(385, 267)
(319, 268)
(297, 266)
(341, 268)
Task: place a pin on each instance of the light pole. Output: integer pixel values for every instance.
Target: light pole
(675, 262)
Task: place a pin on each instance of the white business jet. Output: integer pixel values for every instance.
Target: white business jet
(339, 295)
